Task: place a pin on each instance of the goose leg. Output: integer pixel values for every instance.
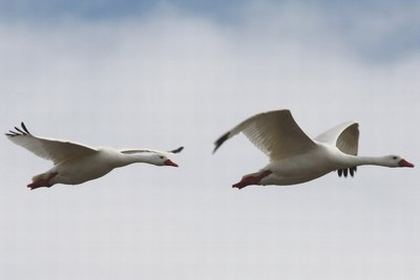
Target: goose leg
(42, 181)
(251, 179)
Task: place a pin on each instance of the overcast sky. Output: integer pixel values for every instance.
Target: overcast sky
(170, 73)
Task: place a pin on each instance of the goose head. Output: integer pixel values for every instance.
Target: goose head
(161, 160)
(396, 161)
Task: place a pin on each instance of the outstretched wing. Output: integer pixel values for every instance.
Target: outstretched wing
(275, 133)
(177, 150)
(137, 151)
(346, 138)
(51, 149)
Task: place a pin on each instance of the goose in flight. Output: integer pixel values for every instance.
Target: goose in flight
(76, 163)
(296, 158)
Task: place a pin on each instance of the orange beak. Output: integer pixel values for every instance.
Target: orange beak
(170, 163)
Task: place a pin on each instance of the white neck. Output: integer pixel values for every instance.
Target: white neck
(126, 159)
(351, 160)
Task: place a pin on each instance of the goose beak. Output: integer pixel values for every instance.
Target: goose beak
(170, 163)
(404, 163)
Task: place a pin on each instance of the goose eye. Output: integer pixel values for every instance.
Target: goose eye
(161, 157)
(394, 157)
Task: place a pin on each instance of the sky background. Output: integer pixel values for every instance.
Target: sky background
(169, 73)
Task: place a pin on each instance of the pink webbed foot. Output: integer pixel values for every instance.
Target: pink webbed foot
(42, 182)
(38, 184)
(251, 180)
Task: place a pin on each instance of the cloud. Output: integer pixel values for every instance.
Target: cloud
(375, 30)
(273, 48)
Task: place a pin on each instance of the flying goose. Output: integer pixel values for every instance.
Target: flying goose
(77, 163)
(296, 158)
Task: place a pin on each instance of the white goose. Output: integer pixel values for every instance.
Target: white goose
(295, 158)
(76, 163)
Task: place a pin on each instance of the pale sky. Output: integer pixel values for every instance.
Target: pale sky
(164, 74)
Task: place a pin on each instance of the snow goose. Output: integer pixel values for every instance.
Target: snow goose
(295, 158)
(76, 163)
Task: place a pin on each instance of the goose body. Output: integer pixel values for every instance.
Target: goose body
(296, 158)
(77, 163)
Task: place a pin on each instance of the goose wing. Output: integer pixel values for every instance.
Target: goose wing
(137, 151)
(344, 136)
(55, 150)
(275, 133)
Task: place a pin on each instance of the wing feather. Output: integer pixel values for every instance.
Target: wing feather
(275, 133)
(137, 151)
(344, 136)
(51, 149)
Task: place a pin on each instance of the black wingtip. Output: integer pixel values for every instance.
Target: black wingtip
(346, 171)
(220, 141)
(22, 124)
(18, 131)
(178, 150)
(12, 133)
